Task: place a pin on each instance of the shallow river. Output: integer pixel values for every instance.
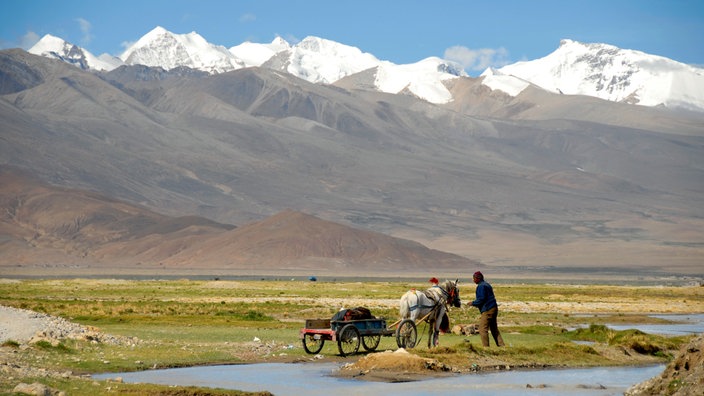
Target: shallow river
(691, 324)
(317, 379)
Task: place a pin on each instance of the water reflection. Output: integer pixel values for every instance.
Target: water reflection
(316, 379)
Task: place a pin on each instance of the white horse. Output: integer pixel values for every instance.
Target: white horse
(416, 304)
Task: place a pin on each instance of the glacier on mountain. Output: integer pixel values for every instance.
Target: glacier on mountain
(162, 48)
(608, 72)
(324, 61)
(53, 47)
(424, 78)
(255, 54)
(496, 80)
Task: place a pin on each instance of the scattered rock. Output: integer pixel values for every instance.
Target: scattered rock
(37, 389)
(29, 328)
(22, 326)
(597, 386)
(539, 386)
(465, 329)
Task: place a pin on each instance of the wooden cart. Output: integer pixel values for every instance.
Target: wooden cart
(349, 334)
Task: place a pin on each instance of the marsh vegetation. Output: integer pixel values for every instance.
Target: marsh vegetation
(178, 323)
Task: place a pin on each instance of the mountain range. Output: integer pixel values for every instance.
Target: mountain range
(531, 180)
(598, 70)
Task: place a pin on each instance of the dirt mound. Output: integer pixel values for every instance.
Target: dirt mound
(397, 366)
(684, 376)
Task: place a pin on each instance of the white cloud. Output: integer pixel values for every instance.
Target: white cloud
(85, 30)
(126, 44)
(290, 38)
(28, 40)
(477, 59)
(248, 18)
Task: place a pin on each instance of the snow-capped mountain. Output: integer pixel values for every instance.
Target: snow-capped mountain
(423, 79)
(54, 47)
(322, 61)
(575, 68)
(162, 48)
(255, 54)
(606, 72)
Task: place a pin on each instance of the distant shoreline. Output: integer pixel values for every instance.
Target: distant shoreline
(575, 276)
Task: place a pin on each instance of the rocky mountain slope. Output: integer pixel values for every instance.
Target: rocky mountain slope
(538, 180)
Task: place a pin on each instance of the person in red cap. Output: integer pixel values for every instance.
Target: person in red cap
(486, 302)
(434, 281)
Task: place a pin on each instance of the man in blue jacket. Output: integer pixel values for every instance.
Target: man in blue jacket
(486, 302)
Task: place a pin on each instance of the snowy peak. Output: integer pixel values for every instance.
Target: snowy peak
(423, 79)
(255, 54)
(614, 74)
(162, 48)
(53, 47)
(323, 61)
(575, 68)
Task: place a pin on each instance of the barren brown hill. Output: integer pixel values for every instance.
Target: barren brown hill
(293, 240)
(42, 226)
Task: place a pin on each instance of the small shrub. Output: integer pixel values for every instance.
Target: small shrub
(587, 349)
(467, 347)
(594, 332)
(47, 346)
(43, 344)
(643, 345)
(11, 344)
(442, 350)
(674, 386)
(255, 316)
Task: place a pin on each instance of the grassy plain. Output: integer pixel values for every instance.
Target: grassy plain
(199, 322)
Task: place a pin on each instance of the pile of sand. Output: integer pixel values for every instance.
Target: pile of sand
(396, 366)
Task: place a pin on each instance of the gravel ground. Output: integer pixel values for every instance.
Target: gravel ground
(26, 327)
(21, 325)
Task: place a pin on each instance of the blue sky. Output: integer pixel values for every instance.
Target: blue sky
(475, 33)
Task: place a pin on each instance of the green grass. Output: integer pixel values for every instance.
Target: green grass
(72, 387)
(185, 322)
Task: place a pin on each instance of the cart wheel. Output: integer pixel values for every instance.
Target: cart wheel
(406, 334)
(370, 342)
(348, 341)
(313, 343)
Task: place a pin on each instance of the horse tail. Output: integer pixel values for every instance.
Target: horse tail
(404, 309)
(406, 303)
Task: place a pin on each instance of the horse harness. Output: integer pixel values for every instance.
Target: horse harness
(432, 297)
